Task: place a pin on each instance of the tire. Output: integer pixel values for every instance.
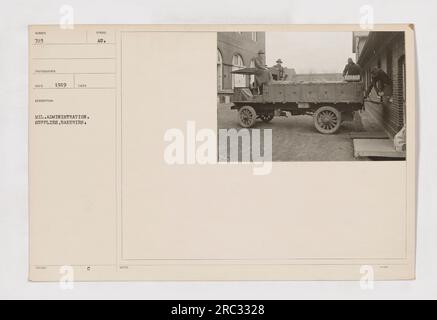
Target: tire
(327, 120)
(247, 116)
(267, 117)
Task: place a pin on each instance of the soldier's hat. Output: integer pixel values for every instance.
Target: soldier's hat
(261, 51)
(279, 61)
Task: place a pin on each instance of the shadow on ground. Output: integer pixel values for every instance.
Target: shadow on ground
(296, 139)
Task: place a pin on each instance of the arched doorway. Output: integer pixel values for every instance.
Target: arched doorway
(238, 80)
(219, 71)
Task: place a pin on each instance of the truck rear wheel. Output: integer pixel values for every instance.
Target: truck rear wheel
(247, 116)
(327, 120)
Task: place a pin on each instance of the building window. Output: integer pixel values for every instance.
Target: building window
(402, 88)
(238, 80)
(390, 63)
(219, 71)
(368, 78)
(252, 77)
(254, 36)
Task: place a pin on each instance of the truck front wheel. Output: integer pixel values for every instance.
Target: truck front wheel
(327, 120)
(247, 116)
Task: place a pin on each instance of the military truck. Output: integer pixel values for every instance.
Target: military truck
(329, 103)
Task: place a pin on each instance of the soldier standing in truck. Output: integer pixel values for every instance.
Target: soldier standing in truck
(351, 68)
(262, 74)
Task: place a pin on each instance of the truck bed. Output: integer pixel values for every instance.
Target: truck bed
(313, 92)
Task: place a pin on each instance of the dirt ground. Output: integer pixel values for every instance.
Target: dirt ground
(296, 139)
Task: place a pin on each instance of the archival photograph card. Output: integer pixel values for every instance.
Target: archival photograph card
(231, 152)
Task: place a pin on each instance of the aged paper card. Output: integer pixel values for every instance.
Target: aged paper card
(222, 152)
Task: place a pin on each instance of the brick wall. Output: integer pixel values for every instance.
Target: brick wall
(390, 57)
(232, 43)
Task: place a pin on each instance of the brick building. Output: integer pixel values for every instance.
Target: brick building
(387, 51)
(236, 50)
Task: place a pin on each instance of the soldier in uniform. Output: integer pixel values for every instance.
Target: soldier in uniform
(351, 69)
(262, 74)
(278, 70)
(382, 84)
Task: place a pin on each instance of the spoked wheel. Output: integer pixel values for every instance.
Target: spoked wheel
(327, 120)
(267, 117)
(247, 116)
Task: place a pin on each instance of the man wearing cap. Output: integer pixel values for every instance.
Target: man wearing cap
(278, 70)
(262, 73)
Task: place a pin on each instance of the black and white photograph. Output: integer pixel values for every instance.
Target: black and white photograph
(218, 158)
(325, 96)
